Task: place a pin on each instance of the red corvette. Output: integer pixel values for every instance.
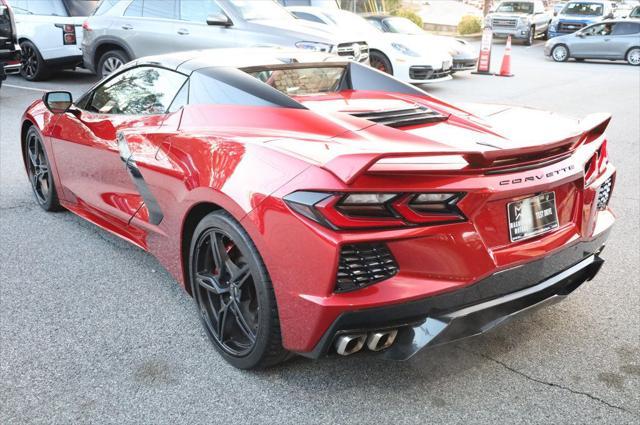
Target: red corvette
(320, 207)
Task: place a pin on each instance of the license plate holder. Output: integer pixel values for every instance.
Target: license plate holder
(532, 216)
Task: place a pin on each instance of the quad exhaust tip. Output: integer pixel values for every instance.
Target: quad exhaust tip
(375, 341)
(380, 340)
(350, 344)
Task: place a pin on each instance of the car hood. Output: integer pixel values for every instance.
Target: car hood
(298, 31)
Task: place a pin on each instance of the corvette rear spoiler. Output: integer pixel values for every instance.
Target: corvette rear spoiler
(349, 167)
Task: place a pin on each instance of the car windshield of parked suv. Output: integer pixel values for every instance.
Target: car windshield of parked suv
(635, 13)
(255, 10)
(586, 9)
(402, 26)
(301, 81)
(515, 7)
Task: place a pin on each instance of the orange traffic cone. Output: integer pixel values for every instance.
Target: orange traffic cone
(505, 69)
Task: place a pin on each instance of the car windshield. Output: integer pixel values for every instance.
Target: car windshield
(586, 9)
(352, 21)
(254, 10)
(301, 81)
(635, 13)
(402, 26)
(81, 7)
(515, 7)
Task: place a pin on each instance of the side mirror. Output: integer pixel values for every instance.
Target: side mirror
(219, 19)
(58, 102)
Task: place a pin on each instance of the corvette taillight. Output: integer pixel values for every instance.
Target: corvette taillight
(376, 210)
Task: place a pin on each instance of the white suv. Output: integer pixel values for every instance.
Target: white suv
(50, 34)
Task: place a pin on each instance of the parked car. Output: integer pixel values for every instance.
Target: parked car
(578, 14)
(464, 55)
(403, 56)
(524, 20)
(133, 28)
(612, 39)
(9, 49)
(49, 34)
(317, 206)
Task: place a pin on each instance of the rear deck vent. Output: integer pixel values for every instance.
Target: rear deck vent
(403, 117)
(364, 264)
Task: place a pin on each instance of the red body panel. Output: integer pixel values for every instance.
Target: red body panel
(246, 159)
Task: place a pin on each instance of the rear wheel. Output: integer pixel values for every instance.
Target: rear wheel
(380, 62)
(39, 172)
(110, 61)
(560, 53)
(234, 295)
(32, 66)
(633, 56)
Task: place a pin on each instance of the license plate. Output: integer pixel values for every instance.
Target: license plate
(532, 216)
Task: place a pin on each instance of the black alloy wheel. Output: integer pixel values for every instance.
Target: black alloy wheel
(32, 66)
(233, 294)
(380, 62)
(39, 172)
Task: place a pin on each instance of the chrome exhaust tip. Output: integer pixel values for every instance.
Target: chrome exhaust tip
(350, 344)
(380, 340)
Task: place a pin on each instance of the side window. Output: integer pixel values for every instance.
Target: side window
(165, 9)
(134, 9)
(181, 99)
(308, 17)
(595, 30)
(43, 8)
(625, 28)
(139, 91)
(198, 10)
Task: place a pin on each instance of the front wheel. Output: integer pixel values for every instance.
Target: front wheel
(532, 36)
(380, 62)
(633, 56)
(560, 53)
(234, 295)
(39, 172)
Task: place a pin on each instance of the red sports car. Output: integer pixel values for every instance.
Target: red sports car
(317, 206)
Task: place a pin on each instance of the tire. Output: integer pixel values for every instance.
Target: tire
(39, 172)
(32, 66)
(633, 56)
(239, 293)
(532, 36)
(546, 32)
(560, 53)
(380, 62)
(110, 61)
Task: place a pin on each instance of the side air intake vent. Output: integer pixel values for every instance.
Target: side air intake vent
(403, 117)
(364, 264)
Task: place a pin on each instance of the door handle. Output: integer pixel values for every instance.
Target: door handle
(127, 27)
(183, 31)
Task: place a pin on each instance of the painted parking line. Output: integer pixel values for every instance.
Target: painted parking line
(27, 88)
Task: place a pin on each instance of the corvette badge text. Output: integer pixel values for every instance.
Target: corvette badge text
(538, 176)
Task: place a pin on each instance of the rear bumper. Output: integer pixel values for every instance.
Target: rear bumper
(474, 309)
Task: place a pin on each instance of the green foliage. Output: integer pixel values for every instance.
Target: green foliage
(409, 14)
(469, 25)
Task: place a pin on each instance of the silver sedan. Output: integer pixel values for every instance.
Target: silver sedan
(611, 39)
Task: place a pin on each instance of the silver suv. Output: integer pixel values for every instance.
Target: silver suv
(123, 30)
(520, 19)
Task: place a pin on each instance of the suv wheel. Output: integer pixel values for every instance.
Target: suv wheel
(32, 66)
(110, 61)
(633, 56)
(560, 53)
(532, 35)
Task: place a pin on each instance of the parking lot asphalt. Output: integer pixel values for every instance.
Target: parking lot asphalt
(93, 330)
